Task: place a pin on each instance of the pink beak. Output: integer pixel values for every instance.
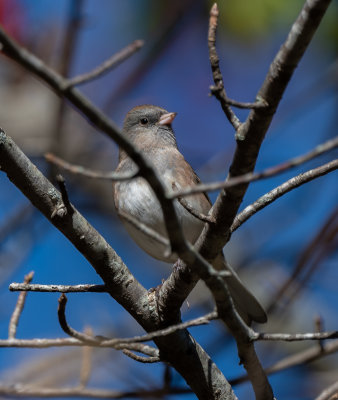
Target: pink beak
(167, 119)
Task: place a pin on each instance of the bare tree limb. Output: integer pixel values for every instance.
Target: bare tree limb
(141, 359)
(112, 62)
(184, 353)
(280, 190)
(218, 90)
(255, 176)
(147, 230)
(319, 247)
(306, 356)
(35, 392)
(68, 329)
(89, 173)
(292, 337)
(249, 137)
(330, 393)
(103, 123)
(220, 94)
(13, 323)
(57, 288)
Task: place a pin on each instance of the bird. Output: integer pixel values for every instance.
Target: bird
(150, 130)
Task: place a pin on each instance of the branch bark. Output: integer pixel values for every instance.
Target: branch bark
(179, 348)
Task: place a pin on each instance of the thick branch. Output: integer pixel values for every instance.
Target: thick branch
(179, 348)
(253, 131)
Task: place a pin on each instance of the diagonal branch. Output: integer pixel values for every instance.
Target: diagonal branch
(280, 190)
(179, 348)
(255, 176)
(89, 173)
(112, 62)
(13, 323)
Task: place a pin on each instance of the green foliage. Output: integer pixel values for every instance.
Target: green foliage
(250, 20)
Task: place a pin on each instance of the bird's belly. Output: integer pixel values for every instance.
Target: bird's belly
(140, 202)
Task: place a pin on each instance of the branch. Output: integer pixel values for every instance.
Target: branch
(280, 190)
(179, 348)
(34, 392)
(13, 323)
(111, 63)
(89, 173)
(13, 287)
(219, 93)
(306, 356)
(65, 206)
(68, 329)
(58, 83)
(255, 176)
(289, 337)
(141, 359)
(330, 393)
(249, 136)
(312, 255)
(205, 319)
(218, 90)
(146, 230)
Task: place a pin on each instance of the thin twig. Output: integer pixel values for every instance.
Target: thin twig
(306, 356)
(310, 258)
(19, 390)
(68, 329)
(254, 176)
(188, 206)
(13, 323)
(280, 190)
(219, 90)
(294, 337)
(205, 319)
(89, 173)
(239, 104)
(142, 359)
(329, 393)
(112, 62)
(145, 229)
(57, 288)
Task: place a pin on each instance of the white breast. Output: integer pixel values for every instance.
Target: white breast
(140, 201)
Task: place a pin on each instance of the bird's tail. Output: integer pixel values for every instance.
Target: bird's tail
(245, 302)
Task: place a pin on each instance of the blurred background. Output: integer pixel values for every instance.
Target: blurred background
(294, 237)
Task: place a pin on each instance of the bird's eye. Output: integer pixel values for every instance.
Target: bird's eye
(144, 121)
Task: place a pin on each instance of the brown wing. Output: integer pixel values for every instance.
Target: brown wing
(185, 177)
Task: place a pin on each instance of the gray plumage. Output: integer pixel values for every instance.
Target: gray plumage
(149, 128)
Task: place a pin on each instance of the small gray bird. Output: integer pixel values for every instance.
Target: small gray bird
(149, 128)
